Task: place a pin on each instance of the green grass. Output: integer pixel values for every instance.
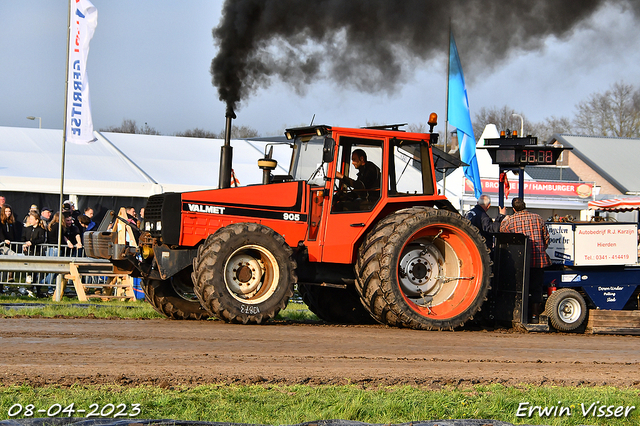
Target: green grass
(95, 308)
(73, 308)
(273, 404)
(297, 312)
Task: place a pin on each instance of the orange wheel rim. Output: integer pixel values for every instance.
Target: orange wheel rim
(465, 283)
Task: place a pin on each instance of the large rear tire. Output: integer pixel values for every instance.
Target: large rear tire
(423, 268)
(244, 273)
(335, 305)
(174, 297)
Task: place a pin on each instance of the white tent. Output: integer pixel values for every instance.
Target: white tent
(117, 164)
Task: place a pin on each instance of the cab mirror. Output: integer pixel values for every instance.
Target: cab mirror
(328, 150)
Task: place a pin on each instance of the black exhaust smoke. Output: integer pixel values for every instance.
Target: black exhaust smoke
(374, 45)
(226, 152)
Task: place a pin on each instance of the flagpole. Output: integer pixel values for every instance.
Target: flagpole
(446, 116)
(64, 133)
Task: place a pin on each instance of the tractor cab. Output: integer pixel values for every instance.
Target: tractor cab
(360, 167)
(357, 176)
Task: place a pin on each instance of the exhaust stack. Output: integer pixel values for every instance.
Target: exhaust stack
(226, 152)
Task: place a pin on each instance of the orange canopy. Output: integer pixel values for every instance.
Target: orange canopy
(616, 204)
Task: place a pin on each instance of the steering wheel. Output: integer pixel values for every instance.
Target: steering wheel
(344, 192)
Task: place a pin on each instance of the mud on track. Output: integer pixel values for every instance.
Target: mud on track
(43, 351)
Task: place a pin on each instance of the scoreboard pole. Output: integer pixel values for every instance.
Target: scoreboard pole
(500, 188)
(501, 197)
(521, 183)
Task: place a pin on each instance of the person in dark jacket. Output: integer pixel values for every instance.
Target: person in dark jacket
(10, 231)
(367, 184)
(10, 228)
(85, 222)
(52, 235)
(72, 233)
(368, 173)
(33, 235)
(480, 219)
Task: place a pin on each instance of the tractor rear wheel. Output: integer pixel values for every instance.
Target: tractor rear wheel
(566, 309)
(244, 273)
(423, 268)
(174, 297)
(335, 305)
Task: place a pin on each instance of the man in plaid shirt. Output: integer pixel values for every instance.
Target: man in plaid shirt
(531, 225)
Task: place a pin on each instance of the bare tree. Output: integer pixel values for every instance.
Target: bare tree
(197, 133)
(551, 125)
(127, 126)
(240, 132)
(502, 117)
(146, 130)
(130, 126)
(417, 128)
(615, 112)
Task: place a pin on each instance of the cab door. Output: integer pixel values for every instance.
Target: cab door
(350, 210)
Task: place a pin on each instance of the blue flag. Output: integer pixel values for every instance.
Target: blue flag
(460, 118)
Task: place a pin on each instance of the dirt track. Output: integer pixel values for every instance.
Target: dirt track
(166, 353)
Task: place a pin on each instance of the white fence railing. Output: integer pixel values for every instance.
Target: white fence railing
(37, 270)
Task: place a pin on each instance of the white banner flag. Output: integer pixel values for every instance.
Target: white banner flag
(84, 19)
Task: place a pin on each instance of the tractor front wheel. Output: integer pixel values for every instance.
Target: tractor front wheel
(244, 273)
(423, 268)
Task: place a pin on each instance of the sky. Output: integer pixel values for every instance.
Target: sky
(149, 61)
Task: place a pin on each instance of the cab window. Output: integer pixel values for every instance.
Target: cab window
(410, 168)
(358, 177)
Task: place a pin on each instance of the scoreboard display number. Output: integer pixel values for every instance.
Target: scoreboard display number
(537, 156)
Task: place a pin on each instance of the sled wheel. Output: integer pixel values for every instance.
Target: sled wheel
(335, 305)
(244, 273)
(174, 297)
(566, 309)
(424, 268)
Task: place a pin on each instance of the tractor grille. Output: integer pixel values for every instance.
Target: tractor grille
(162, 215)
(153, 213)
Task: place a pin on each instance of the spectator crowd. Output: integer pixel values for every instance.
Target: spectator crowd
(37, 233)
(39, 229)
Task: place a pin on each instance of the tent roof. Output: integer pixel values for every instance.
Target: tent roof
(120, 164)
(616, 204)
(31, 162)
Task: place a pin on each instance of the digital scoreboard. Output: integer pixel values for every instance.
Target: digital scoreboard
(513, 152)
(520, 152)
(525, 156)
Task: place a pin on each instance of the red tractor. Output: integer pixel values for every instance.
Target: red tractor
(393, 249)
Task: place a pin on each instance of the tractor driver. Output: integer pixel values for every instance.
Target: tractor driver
(368, 177)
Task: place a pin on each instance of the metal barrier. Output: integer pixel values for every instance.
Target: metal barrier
(39, 269)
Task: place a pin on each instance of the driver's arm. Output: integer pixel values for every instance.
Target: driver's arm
(345, 180)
